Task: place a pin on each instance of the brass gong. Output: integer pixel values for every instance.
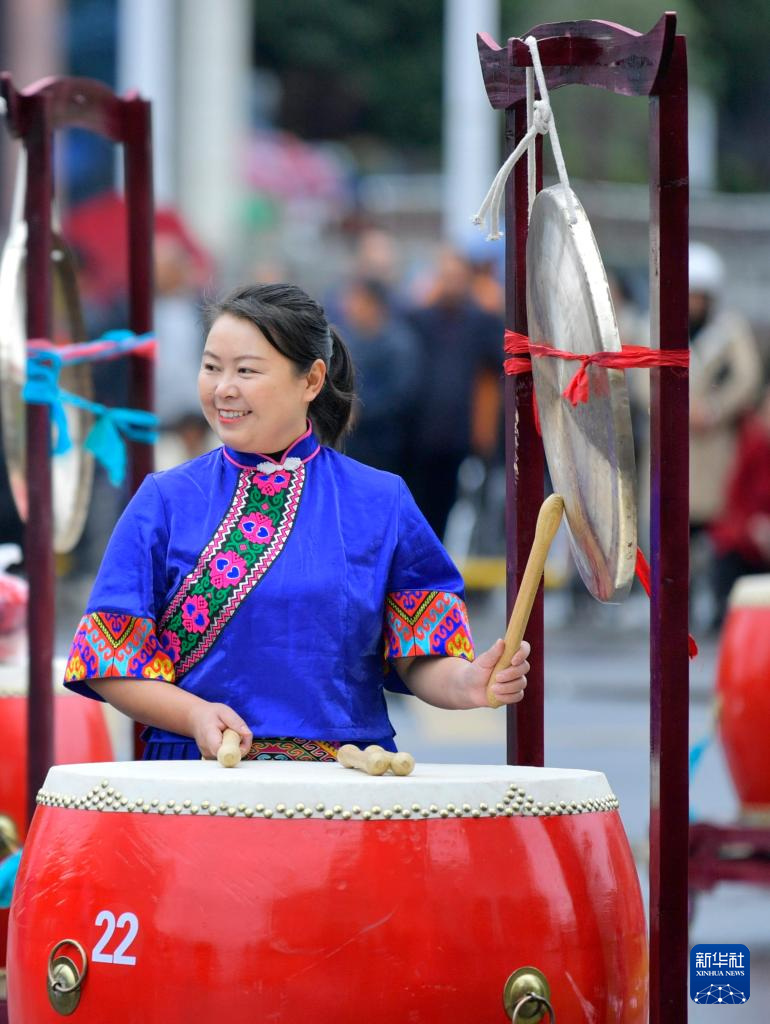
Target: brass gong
(589, 447)
(72, 472)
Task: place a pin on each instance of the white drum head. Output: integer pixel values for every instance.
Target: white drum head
(750, 592)
(299, 790)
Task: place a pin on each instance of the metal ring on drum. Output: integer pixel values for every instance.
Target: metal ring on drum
(72, 471)
(589, 447)
(199, 892)
(534, 1002)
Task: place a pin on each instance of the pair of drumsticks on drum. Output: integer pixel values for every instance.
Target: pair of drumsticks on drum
(375, 760)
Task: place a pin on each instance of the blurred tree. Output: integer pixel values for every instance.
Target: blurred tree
(605, 136)
(373, 72)
(737, 42)
(351, 69)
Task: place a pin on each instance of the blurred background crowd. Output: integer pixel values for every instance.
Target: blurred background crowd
(345, 147)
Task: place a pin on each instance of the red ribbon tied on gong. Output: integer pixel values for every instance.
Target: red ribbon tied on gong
(630, 357)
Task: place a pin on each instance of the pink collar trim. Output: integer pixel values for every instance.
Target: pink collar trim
(306, 440)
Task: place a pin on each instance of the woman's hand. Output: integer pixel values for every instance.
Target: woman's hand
(209, 721)
(509, 683)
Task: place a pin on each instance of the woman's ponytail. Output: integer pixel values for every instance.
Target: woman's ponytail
(331, 411)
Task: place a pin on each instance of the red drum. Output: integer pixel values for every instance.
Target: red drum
(289, 891)
(743, 693)
(81, 734)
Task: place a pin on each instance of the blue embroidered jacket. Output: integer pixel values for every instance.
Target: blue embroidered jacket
(277, 588)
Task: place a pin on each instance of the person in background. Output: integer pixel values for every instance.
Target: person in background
(725, 381)
(741, 533)
(181, 270)
(384, 352)
(460, 348)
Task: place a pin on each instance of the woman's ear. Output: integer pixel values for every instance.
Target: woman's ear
(316, 377)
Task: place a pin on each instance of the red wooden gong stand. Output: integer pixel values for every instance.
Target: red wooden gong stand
(33, 116)
(607, 56)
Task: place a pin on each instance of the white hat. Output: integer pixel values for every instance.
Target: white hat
(707, 269)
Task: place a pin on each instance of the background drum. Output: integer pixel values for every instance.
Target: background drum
(743, 694)
(82, 734)
(289, 890)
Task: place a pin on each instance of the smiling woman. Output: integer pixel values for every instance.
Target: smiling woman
(251, 395)
(358, 583)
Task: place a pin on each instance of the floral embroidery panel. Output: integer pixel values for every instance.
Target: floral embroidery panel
(250, 537)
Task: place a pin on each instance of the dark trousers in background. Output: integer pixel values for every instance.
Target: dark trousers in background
(725, 570)
(432, 479)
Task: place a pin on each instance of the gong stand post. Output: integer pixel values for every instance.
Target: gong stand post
(524, 455)
(611, 57)
(34, 115)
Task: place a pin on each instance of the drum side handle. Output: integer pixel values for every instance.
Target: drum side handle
(65, 978)
(537, 1002)
(526, 997)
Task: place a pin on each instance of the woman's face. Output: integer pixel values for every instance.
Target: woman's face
(251, 394)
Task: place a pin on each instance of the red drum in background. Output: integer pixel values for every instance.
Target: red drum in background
(289, 891)
(81, 734)
(743, 692)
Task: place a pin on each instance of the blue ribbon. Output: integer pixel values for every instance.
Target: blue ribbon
(106, 439)
(697, 752)
(42, 388)
(8, 870)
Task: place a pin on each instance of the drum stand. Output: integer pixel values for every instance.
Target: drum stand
(607, 56)
(727, 853)
(33, 115)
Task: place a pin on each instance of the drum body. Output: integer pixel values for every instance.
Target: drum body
(81, 734)
(743, 693)
(278, 891)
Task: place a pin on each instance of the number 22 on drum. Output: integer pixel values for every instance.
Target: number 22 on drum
(128, 921)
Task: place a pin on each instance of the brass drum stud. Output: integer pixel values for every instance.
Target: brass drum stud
(527, 993)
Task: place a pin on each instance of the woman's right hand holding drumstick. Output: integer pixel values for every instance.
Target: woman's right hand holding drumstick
(208, 723)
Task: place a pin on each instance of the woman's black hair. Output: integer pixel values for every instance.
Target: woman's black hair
(297, 327)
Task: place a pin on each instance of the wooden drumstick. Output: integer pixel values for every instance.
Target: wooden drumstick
(548, 521)
(229, 753)
(399, 762)
(372, 761)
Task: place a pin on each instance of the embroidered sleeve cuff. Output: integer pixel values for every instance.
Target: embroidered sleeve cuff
(432, 622)
(111, 644)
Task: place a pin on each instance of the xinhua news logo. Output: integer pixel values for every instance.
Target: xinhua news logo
(720, 974)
